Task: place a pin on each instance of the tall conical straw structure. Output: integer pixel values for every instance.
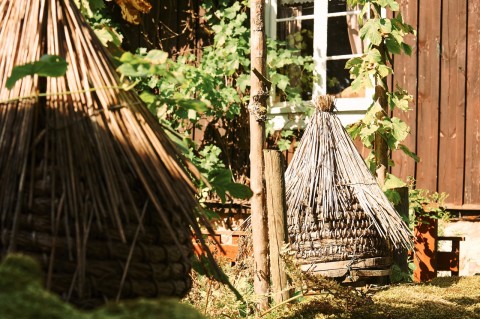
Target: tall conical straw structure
(90, 183)
(336, 210)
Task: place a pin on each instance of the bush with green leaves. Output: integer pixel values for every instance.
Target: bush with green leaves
(211, 93)
(425, 206)
(96, 15)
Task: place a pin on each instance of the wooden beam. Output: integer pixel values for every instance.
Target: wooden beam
(340, 268)
(277, 212)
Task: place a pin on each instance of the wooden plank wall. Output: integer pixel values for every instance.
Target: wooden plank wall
(472, 141)
(444, 78)
(452, 100)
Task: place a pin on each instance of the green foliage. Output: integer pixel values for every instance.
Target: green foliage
(397, 275)
(219, 178)
(424, 205)
(386, 38)
(95, 13)
(389, 188)
(22, 296)
(47, 65)
(147, 309)
(183, 90)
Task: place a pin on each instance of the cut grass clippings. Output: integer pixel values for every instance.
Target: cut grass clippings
(445, 297)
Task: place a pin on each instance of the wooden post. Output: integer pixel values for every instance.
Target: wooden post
(381, 88)
(400, 256)
(380, 145)
(258, 114)
(276, 209)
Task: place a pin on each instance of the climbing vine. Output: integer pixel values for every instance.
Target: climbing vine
(371, 70)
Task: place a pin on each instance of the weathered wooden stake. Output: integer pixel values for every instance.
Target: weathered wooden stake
(276, 208)
(258, 109)
(401, 256)
(380, 145)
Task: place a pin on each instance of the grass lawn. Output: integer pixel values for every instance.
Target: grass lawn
(444, 297)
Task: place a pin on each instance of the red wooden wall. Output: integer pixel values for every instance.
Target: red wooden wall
(443, 75)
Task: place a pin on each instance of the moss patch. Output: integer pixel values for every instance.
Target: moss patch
(22, 296)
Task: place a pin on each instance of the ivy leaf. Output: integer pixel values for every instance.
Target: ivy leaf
(156, 57)
(132, 10)
(48, 65)
(243, 81)
(222, 182)
(400, 129)
(354, 129)
(367, 135)
(393, 182)
(407, 49)
(107, 34)
(371, 31)
(135, 70)
(391, 3)
(385, 25)
(371, 115)
(353, 62)
(280, 80)
(231, 12)
(384, 70)
(392, 45)
(96, 4)
(193, 104)
(240, 191)
(374, 55)
(392, 195)
(408, 152)
(147, 97)
(399, 99)
(283, 144)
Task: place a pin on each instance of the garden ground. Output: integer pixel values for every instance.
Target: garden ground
(442, 298)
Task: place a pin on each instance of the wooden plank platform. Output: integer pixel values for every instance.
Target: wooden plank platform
(342, 268)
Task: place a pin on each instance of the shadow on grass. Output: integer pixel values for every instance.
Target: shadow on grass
(313, 308)
(444, 282)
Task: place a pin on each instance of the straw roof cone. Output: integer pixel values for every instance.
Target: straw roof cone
(335, 208)
(90, 184)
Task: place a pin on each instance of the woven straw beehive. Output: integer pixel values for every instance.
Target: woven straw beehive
(91, 185)
(348, 235)
(335, 209)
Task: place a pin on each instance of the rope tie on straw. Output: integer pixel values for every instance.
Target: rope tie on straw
(325, 103)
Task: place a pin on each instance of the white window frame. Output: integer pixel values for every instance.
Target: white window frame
(286, 115)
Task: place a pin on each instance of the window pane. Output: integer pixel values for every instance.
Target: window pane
(337, 6)
(298, 35)
(342, 39)
(338, 37)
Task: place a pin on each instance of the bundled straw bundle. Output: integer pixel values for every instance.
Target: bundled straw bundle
(336, 210)
(90, 184)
